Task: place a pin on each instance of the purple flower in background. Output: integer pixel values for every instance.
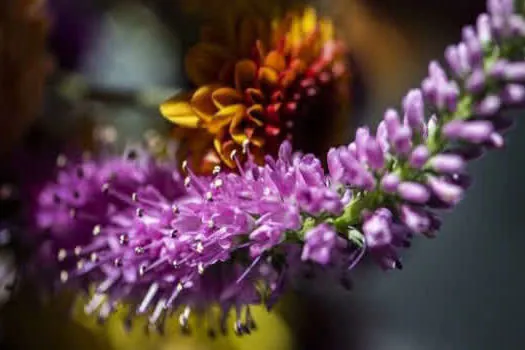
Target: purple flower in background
(87, 194)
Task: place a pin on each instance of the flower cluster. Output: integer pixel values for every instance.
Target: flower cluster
(218, 241)
(237, 239)
(69, 211)
(252, 89)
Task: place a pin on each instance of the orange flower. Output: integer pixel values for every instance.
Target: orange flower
(253, 89)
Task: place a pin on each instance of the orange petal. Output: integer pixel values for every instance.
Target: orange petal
(256, 114)
(206, 162)
(258, 141)
(224, 117)
(226, 96)
(245, 74)
(279, 30)
(295, 34)
(202, 102)
(255, 95)
(309, 20)
(327, 30)
(259, 137)
(177, 110)
(225, 149)
(260, 49)
(288, 78)
(298, 65)
(237, 128)
(218, 123)
(268, 77)
(204, 61)
(275, 60)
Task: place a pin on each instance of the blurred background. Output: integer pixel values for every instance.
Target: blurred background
(110, 63)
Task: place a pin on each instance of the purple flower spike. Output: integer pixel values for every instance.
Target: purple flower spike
(413, 192)
(513, 94)
(392, 122)
(500, 8)
(454, 61)
(451, 93)
(390, 182)
(264, 238)
(141, 234)
(447, 192)
(416, 219)
(402, 140)
(483, 29)
(377, 231)
(447, 163)
(414, 109)
(335, 167)
(319, 243)
(474, 131)
(318, 200)
(81, 200)
(515, 72)
(489, 106)
(361, 140)
(497, 70)
(474, 46)
(353, 171)
(517, 25)
(476, 82)
(374, 154)
(496, 141)
(419, 157)
(382, 137)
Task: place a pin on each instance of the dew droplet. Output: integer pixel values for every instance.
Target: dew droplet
(62, 255)
(123, 239)
(64, 276)
(105, 188)
(200, 247)
(96, 230)
(61, 161)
